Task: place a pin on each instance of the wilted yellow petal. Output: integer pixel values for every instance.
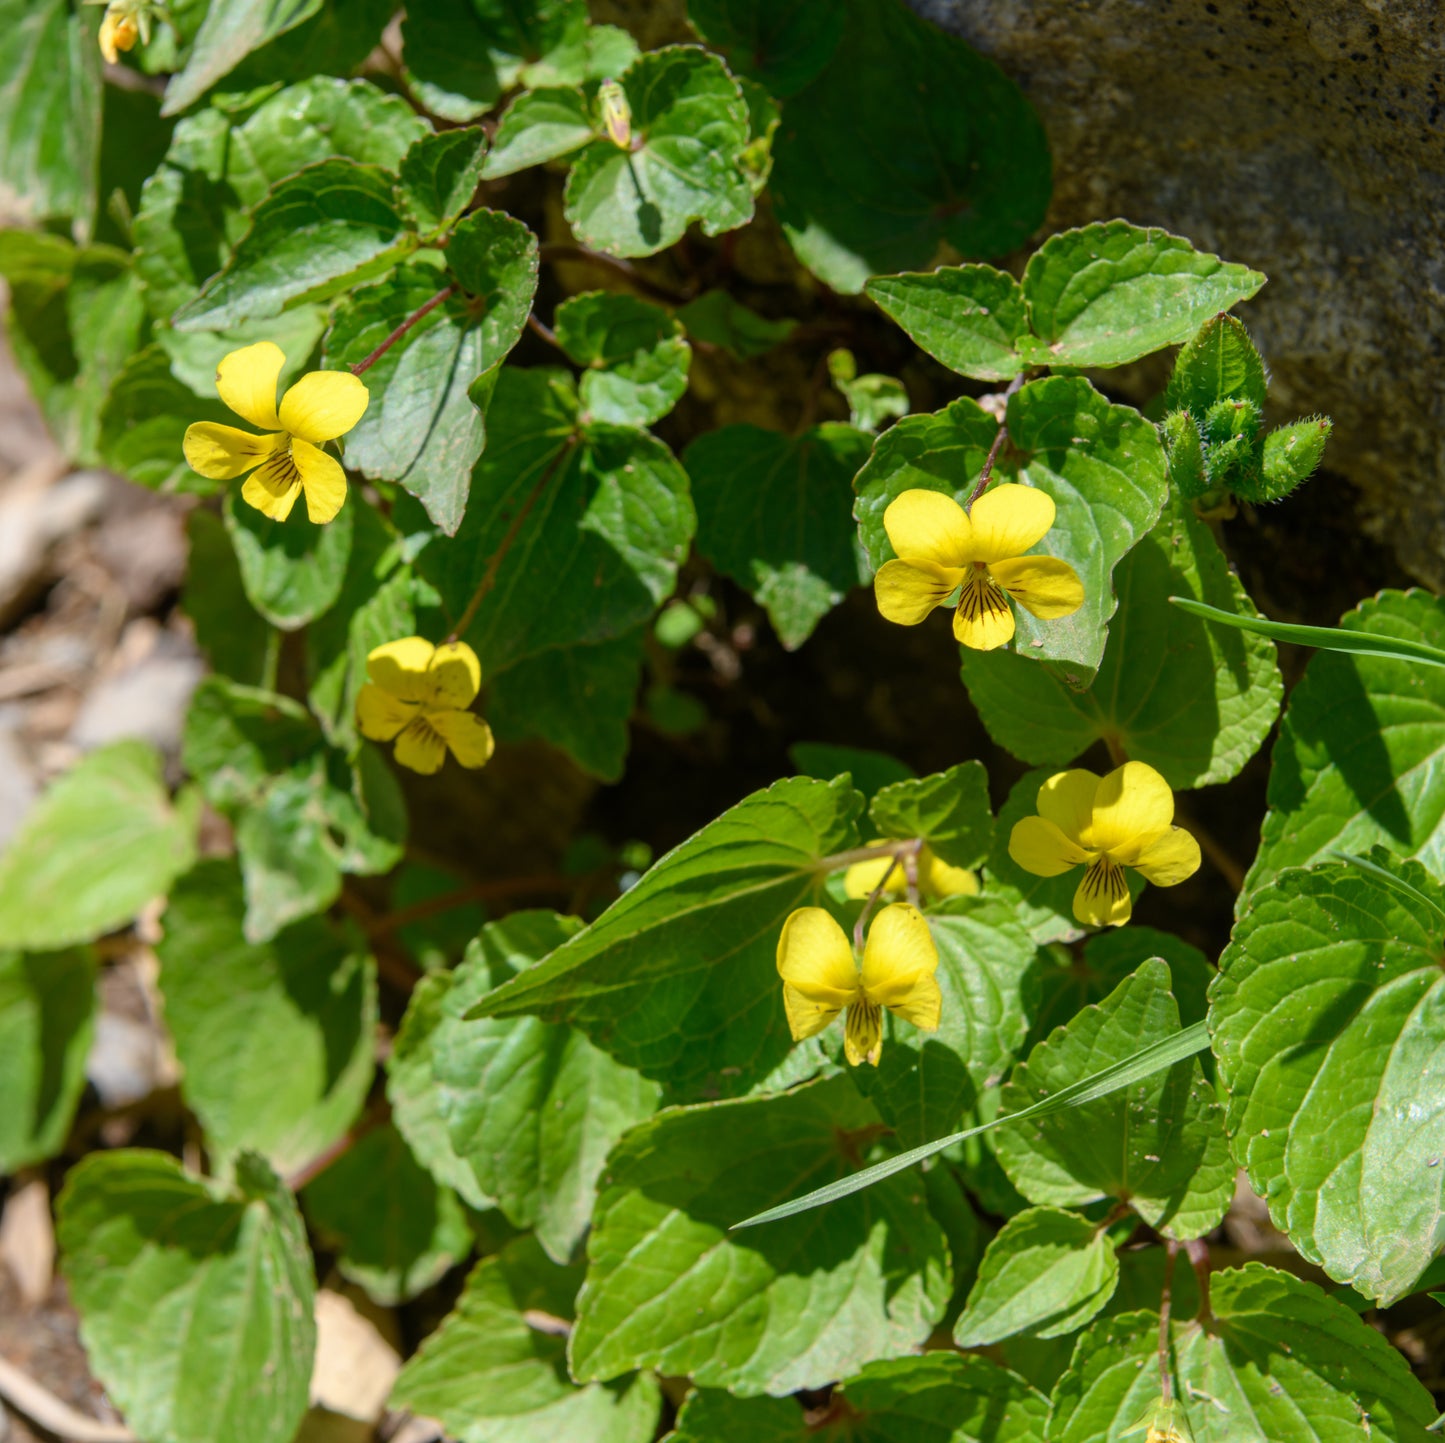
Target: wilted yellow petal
(468, 736)
(816, 958)
(863, 1033)
(246, 382)
(1131, 808)
(1169, 859)
(1008, 519)
(1102, 898)
(380, 715)
(1043, 585)
(860, 880)
(1067, 800)
(224, 452)
(421, 747)
(929, 526)
(805, 1019)
(456, 675)
(906, 591)
(1038, 846)
(899, 951)
(982, 620)
(323, 405)
(403, 668)
(939, 879)
(322, 479)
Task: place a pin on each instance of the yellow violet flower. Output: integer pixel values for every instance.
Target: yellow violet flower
(119, 30)
(941, 547)
(418, 695)
(288, 459)
(821, 977)
(936, 879)
(1105, 824)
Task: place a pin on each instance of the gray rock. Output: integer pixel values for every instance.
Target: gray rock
(1307, 141)
(17, 786)
(147, 700)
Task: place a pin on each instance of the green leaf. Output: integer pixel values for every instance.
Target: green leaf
(322, 231)
(538, 126)
(692, 124)
(532, 1108)
(47, 1019)
(99, 844)
(422, 428)
(394, 1230)
(586, 52)
(336, 40)
(1150, 1059)
(949, 810)
(222, 164)
(1291, 454)
(968, 317)
(1184, 451)
(1220, 363)
(678, 977)
(1160, 1146)
(1233, 1380)
(633, 355)
(496, 1369)
(227, 35)
(440, 174)
(1109, 293)
(50, 100)
(75, 316)
(869, 771)
(773, 513)
(876, 164)
(873, 400)
(939, 1397)
(234, 639)
(1327, 1021)
(1046, 1273)
(668, 1288)
(195, 1299)
(274, 1039)
(598, 519)
(1193, 701)
(579, 698)
(1327, 790)
(783, 47)
(719, 320)
(292, 570)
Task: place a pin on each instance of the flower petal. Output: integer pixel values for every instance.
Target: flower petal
(805, 1019)
(323, 479)
(403, 668)
(421, 747)
(862, 877)
(906, 591)
(456, 675)
(816, 958)
(468, 736)
(1008, 519)
(1067, 800)
(863, 1033)
(224, 452)
(1043, 585)
(274, 486)
(1170, 858)
(900, 950)
(1038, 846)
(246, 382)
(1131, 808)
(982, 620)
(1102, 898)
(929, 526)
(923, 1006)
(323, 405)
(939, 879)
(380, 715)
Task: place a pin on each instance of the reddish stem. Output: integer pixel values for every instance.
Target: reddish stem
(986, 474)
(421, 312)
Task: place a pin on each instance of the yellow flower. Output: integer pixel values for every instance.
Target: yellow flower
(941, 547)
(936, 879)
(119, 30)
(419, 695)
(821, 977)
(287, 460)
(1106, 824)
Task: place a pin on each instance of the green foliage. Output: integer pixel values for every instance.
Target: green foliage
(633, 356)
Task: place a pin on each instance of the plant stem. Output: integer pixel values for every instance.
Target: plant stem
(1166, 1381)
(838, 860)
(310, 1171)
(1198, 1251)
(562, 252)
(546, 332)
(445, 294)
(986, 474)
(902, 853)
(489, 576)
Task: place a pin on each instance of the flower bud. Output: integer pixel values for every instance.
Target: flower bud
(616, 114)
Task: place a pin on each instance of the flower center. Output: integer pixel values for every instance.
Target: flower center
(421, 728)
(863, 1028)
(278, 472)
(981, 595)
(1105, 878)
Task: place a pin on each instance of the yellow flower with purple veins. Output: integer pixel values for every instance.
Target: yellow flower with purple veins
(821, 977)
(936, 879)
(1105, 824)
(941, 548)
(418, 697)
(287, 460)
